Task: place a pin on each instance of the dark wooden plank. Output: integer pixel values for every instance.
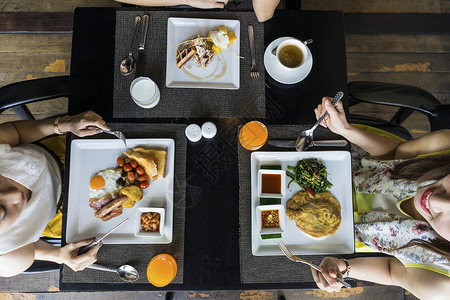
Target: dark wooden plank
(387, 23)
(392, 43)
(398, 62)
(51, 5)
(430, 6)
(432, 82)
(36, 22)
(43, 43)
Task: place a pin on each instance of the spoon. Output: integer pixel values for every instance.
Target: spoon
(126, 272)
(305, 138)
(128, 65)
(308, 41)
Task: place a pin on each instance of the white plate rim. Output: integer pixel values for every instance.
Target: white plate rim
(171, 66)
(311, 245)
(118, 236)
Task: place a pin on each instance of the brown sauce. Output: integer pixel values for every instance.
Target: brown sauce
(271, 183)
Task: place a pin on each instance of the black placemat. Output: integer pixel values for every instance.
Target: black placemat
(139, 255)
(247, 101)
(271, 269)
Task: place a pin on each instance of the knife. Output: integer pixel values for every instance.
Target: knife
(140, 59)
(97, 241)
(291, 144)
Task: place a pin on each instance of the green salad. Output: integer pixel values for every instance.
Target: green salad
(310, 175)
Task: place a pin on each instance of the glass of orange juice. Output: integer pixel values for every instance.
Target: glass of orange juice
(253, 135)
(161, 270)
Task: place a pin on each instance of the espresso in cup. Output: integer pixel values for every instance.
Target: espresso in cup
(291, 54)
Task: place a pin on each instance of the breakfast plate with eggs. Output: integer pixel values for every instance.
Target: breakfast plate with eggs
(108, 182)
(203, 53)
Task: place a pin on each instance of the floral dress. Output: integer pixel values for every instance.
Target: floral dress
(385, 231)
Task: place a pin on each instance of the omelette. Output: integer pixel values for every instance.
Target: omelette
(319, 216)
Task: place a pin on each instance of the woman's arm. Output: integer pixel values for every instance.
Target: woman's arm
(193, 3)
(422, 283)
(23, 132)
(264, 9)
(19, 260)
(380, 146)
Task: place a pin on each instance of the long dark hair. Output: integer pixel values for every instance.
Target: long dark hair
(422, 169)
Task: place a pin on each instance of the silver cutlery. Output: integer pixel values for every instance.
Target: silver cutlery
(126, 272)
(254, 73)
(140, 61)
(308, 41)
(116, 133)
(97, 241)
(323, 143)
(128, 64)
(296, 259)
(305, 138)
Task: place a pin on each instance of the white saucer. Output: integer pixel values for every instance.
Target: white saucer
(283, 76)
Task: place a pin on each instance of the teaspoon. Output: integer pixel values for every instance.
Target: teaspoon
(128, 65)
(305, 138)
(126, 272)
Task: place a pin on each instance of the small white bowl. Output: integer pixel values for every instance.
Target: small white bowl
(282, 193)
(281, 214)
(144, 92)
(138, 231)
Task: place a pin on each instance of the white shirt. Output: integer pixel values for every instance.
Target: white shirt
(36, 169)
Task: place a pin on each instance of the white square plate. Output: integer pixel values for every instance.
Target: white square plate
(89, 156)
(180, 29)
(338, 165)
(139, 231)
(282, 174)
(282, 222)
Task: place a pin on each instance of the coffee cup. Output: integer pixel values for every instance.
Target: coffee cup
(291, 54)
(144, 92)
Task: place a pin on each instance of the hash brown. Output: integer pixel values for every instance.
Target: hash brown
(318, 217)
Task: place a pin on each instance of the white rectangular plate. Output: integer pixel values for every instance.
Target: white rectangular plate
(339, 168)
(87, 157)
(180, 29)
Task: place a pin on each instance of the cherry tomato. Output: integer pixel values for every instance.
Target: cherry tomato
(131, 176)
(127, 168)
(143, 177)
(140, 170)
(144, 184)
(120, 161)
(134, 164)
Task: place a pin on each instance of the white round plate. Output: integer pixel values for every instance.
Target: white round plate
(283, 76)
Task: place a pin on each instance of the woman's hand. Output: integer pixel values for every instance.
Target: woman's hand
(336, 119)
(331, 268)
(207, 3)
(69, 255)
(83, 124)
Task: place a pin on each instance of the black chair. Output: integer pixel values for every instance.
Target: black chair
(16, 96)
(407, 98)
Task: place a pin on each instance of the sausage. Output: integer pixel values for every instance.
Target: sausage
(106, 209)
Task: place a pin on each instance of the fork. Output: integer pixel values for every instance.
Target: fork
(254, 73)
(116, 133)
(296, 259)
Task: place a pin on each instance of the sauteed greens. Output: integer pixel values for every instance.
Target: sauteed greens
(310, 175)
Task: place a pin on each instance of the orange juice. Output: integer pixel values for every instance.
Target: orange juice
(161, 270)
(253, 135)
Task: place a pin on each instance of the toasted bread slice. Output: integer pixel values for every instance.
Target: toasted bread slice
(159, 157)
(145, 161)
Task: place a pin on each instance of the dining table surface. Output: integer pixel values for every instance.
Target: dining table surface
(211, 255)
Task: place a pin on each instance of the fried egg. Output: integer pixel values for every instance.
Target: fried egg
(104, 183)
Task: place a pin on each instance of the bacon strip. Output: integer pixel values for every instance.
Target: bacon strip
(97, 204)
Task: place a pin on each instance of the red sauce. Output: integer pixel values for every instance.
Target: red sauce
(271, 183)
